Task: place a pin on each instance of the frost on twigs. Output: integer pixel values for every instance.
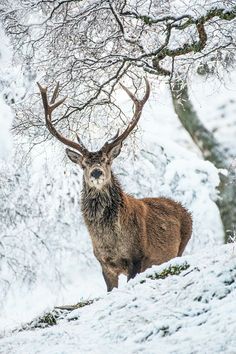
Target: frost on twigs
(90, 47)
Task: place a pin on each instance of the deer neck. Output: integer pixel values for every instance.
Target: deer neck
(103, 205)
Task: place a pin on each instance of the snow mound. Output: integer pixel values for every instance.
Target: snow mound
(184, 306)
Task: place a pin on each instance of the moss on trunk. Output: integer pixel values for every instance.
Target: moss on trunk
(211, 150)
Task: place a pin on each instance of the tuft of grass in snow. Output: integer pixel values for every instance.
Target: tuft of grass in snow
(171, 270)
(53, 317)
(76, 306)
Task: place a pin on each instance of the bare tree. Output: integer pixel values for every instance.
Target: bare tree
(90, 45)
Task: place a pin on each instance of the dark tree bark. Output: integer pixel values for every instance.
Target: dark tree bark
(211, 150)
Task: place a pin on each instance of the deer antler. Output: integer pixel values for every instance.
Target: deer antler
(139, 104)
(48, 109)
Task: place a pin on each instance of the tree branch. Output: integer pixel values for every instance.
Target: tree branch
(203, 138)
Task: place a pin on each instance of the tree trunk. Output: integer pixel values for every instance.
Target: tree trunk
(211, 150)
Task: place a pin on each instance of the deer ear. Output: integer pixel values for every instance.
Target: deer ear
(74, 156)
(115, 151)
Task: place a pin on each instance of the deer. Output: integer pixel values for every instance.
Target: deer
(128, 234)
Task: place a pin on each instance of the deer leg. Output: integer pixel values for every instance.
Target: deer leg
(110, 278)
(134, 268)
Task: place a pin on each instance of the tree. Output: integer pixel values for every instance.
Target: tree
(90, 45)
(211, 150)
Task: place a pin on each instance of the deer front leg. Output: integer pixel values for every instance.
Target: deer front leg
(110, 278)
(134, 268)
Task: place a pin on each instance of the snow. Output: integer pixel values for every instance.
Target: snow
(165, 162)
(46, 255)
(5, 124)
(5, 111)
(193, 312)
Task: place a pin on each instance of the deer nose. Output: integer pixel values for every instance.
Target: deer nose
(96, 173)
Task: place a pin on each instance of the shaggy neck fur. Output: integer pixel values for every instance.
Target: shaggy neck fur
(102, 206)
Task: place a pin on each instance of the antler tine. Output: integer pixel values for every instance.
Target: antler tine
(115, 136)
(80, 141)
(55, 94)
(48, 109)
(139, 104)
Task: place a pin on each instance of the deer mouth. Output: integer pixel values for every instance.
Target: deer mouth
(97, 182)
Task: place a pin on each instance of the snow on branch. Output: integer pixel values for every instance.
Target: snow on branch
(89, 46)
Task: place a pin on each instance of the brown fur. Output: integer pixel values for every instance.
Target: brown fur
(130, 235)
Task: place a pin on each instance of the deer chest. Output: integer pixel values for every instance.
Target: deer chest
(111, 243)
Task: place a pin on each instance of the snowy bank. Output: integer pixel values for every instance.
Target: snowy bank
(192, 311)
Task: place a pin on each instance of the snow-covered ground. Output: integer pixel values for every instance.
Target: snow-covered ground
(193, 312)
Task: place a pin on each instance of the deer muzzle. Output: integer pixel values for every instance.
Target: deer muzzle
(96, 173)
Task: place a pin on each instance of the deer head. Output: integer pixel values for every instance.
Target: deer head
(96, 165)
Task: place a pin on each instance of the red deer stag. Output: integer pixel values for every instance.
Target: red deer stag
(128, 235)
